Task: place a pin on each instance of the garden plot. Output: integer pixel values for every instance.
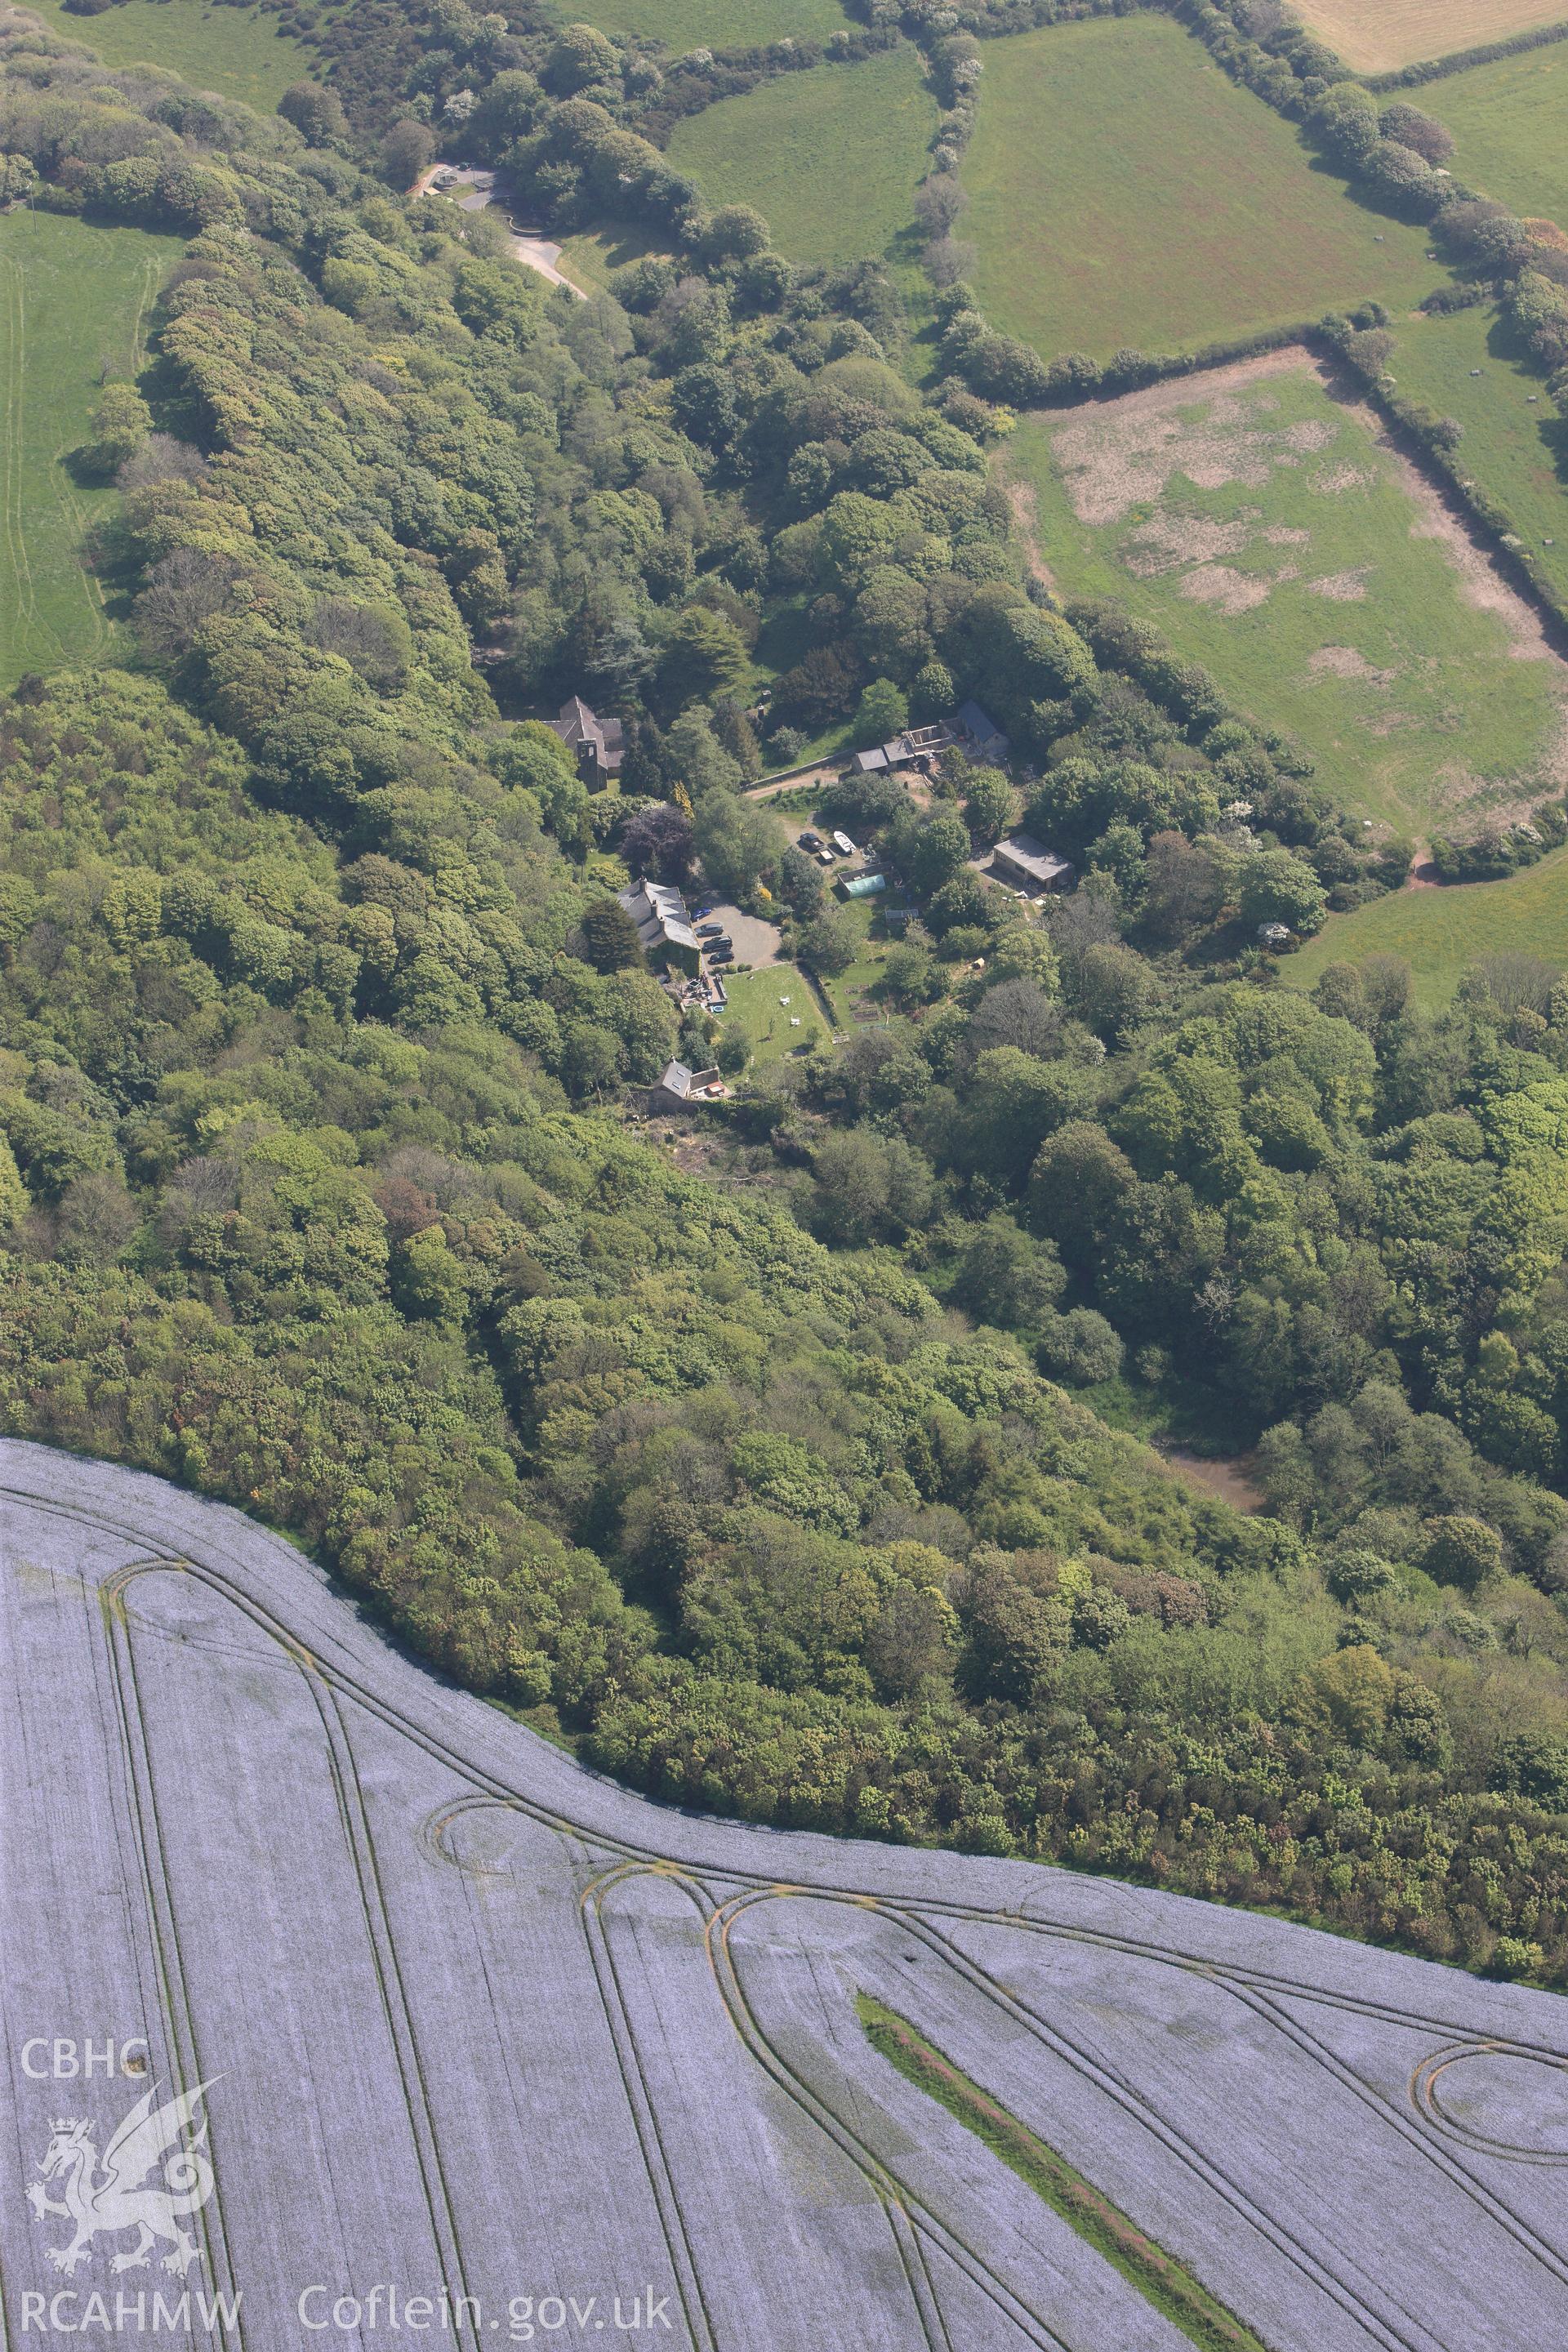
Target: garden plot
(475, 2025)
(1268, 529)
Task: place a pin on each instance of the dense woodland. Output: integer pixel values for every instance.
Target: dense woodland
(320, 1187)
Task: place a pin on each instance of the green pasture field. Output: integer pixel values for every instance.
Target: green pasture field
(1125, 191)
(1510, 122)
(716, 24)
(1310, 580)
(238, 52)
(1515, 446)
(831, 157)
(74, 297)
(754, 1007)
(1441, 933)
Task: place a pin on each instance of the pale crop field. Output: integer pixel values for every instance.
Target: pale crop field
(1377, 36)
(477, 2026)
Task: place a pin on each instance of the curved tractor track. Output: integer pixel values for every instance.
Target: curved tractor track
(492, 2046)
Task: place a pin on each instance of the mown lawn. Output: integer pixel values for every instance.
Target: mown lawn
(238, 52)
(1125, 191)
(1440, 933)
(1307, 582)
(1511, 121)
(1515, 442)
(589, 257)
(767, 1024)
(831, 158)
(1376, 36)
(73, 295)
(713, 23)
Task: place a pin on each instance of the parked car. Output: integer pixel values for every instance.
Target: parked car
(809, 840)
(721, 952)
(710, 930)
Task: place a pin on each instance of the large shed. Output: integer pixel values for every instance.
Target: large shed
(1028, 864)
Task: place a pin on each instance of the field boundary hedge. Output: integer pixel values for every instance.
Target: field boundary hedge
(1485, 53)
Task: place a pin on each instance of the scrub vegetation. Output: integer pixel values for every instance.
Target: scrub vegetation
(717, 24)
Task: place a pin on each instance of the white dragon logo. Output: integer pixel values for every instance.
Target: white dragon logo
(113, 2198)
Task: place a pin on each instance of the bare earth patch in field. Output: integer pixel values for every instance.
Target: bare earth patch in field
(1376, 36)
(1116, 454)
(1339, 479)
(1232, 591)
(1344, 661)
(1166, 542)
(1263, 520)
(1025, 502)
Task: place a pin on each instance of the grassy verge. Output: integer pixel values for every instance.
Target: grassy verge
(1163, 2280)
(782, 147)
(589, 257)
(1125, 191)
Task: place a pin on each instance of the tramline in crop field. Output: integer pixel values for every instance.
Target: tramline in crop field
(474, 2026)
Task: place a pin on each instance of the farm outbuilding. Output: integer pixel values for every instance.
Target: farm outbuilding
(983, 738)
(1028, 864)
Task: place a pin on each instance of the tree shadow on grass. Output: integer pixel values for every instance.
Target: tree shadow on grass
(1507, 345)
